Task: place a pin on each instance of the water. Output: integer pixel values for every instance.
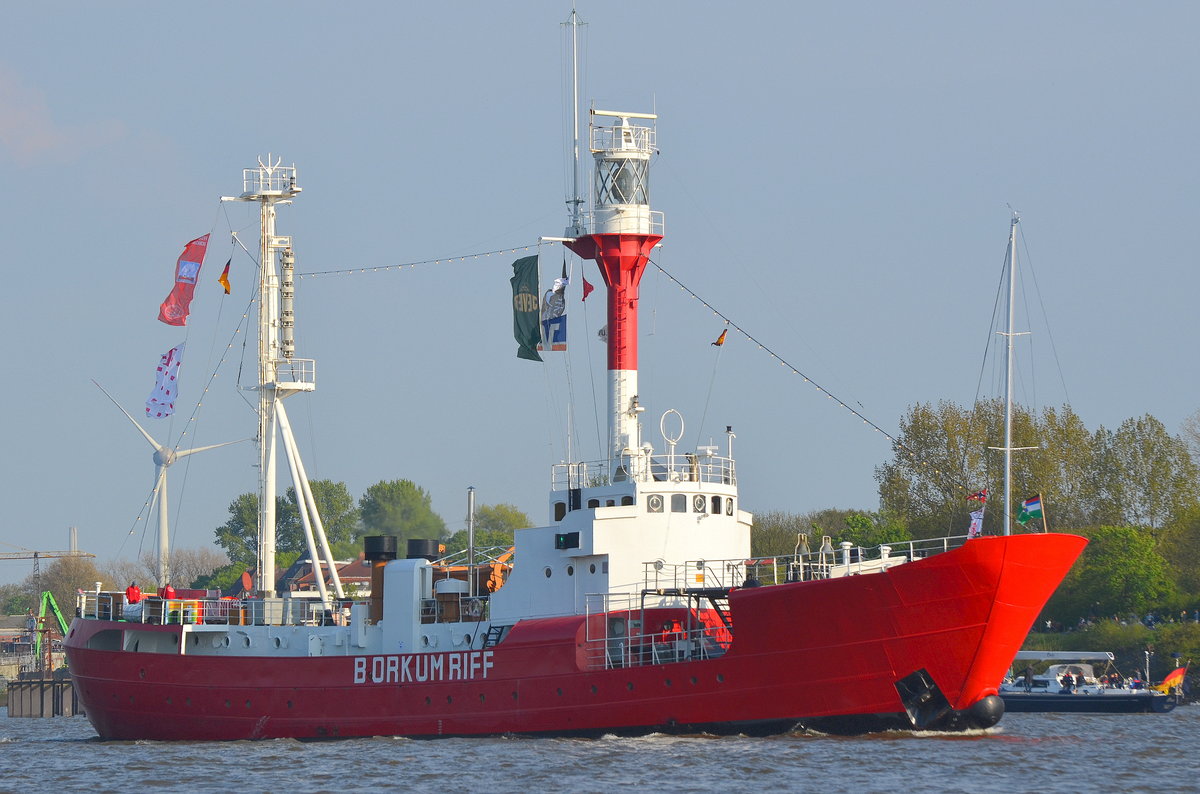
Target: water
(1025, 752)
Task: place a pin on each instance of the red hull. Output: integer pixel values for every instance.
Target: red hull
(824, 653)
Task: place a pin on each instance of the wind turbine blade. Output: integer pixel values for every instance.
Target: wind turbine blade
(141, 430)
(185, 452)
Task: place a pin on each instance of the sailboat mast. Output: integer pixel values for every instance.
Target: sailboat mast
(1008, 374)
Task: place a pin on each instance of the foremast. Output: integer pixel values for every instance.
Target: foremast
(280, 375)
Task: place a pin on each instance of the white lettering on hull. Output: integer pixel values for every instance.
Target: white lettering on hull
(421, 667)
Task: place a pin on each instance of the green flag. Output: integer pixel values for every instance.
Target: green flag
(526, 319)
(1031, 508)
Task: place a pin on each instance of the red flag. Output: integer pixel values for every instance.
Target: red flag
(978, 496)
(224, 279)
(587, 288)
(720, 339)
(174, 310)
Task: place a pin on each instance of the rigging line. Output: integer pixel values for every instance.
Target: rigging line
(708, 397)
(445, 259)
(991, 327)
(896, 443)
(1041, 305)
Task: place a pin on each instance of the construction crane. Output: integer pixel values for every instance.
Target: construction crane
(37, 556)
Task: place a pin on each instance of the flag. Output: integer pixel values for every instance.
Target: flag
(1173, 679)
(224, 279)
(554, 315)
(978, 496)
(720, 339)
(525, 307)
(161, 402)
(976, 528)
(1031, 508)
(174, 310)
(587, 288)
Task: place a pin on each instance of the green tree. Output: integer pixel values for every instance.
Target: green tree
(1145, 474)
(400, 508)
(873, 529)
(776, 533)
(495, 525)
(1120, 571)
(1180, 547)
(64, 578)
(15, 599)
(239, 535)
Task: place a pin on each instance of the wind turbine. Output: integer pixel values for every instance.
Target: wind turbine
(163, 458)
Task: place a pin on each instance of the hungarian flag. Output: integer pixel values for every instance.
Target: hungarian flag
(174, 310)
(1031, 508)
(978, 496)
(161, 402)
(224, 278)
(1173, 679)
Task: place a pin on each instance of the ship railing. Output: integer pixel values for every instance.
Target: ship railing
(845, 560)
(294, 611)
(621, 632)
(455, 608)
(674, 468)
(658, 222)
(296, 374)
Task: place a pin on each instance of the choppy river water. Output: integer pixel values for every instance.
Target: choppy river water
(1024, 753)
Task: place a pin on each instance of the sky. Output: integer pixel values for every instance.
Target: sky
(837, 180)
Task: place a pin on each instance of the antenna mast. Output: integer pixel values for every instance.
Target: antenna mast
(280, 375)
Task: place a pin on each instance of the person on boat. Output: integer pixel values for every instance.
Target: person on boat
(1068, 683)
(1079, 681)
(133, 602)
(133, 593)
(1028, 677)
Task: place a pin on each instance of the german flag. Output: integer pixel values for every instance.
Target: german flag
(1173, 679)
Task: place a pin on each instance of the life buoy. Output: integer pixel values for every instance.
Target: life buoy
(474, 608)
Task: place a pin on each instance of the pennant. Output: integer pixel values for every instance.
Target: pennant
(224, 279)
(1031, 508)
(978, 496)
(554, 316)
(587, 288)
(976, 528)
(161, 402)
(525, 307)
(174, 310)
(720, 339)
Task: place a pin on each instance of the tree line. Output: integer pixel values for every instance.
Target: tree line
(1133, 491)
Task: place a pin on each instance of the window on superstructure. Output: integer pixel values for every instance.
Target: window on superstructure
(716, 505)
(560, 511)
(593, 502)
(678, 503)
(626, 501)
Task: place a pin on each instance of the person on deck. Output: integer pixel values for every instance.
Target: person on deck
(133, 593)
(168, 592)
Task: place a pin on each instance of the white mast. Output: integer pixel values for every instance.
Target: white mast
(280, 374)
(1008, 448)
(576, 201)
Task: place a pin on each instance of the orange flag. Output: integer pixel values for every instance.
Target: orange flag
(720, 339)
(224, 279)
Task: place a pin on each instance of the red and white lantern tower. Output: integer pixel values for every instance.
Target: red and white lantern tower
(619, 233)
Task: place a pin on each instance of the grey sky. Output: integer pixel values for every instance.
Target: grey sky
(834, 176)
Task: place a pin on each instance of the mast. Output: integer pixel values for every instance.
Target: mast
(1008, 374)
(575, 203)
(280, 374)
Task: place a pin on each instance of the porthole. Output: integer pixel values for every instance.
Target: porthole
(570, 570)
(548, 572)
(592, 568)
(559, 691)
(629, 685)
(594, 689)
(728, 507)
(278, 642)
(449, 699)
(720, 678)
(246, 641)
(428, 701)
(667, 682)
